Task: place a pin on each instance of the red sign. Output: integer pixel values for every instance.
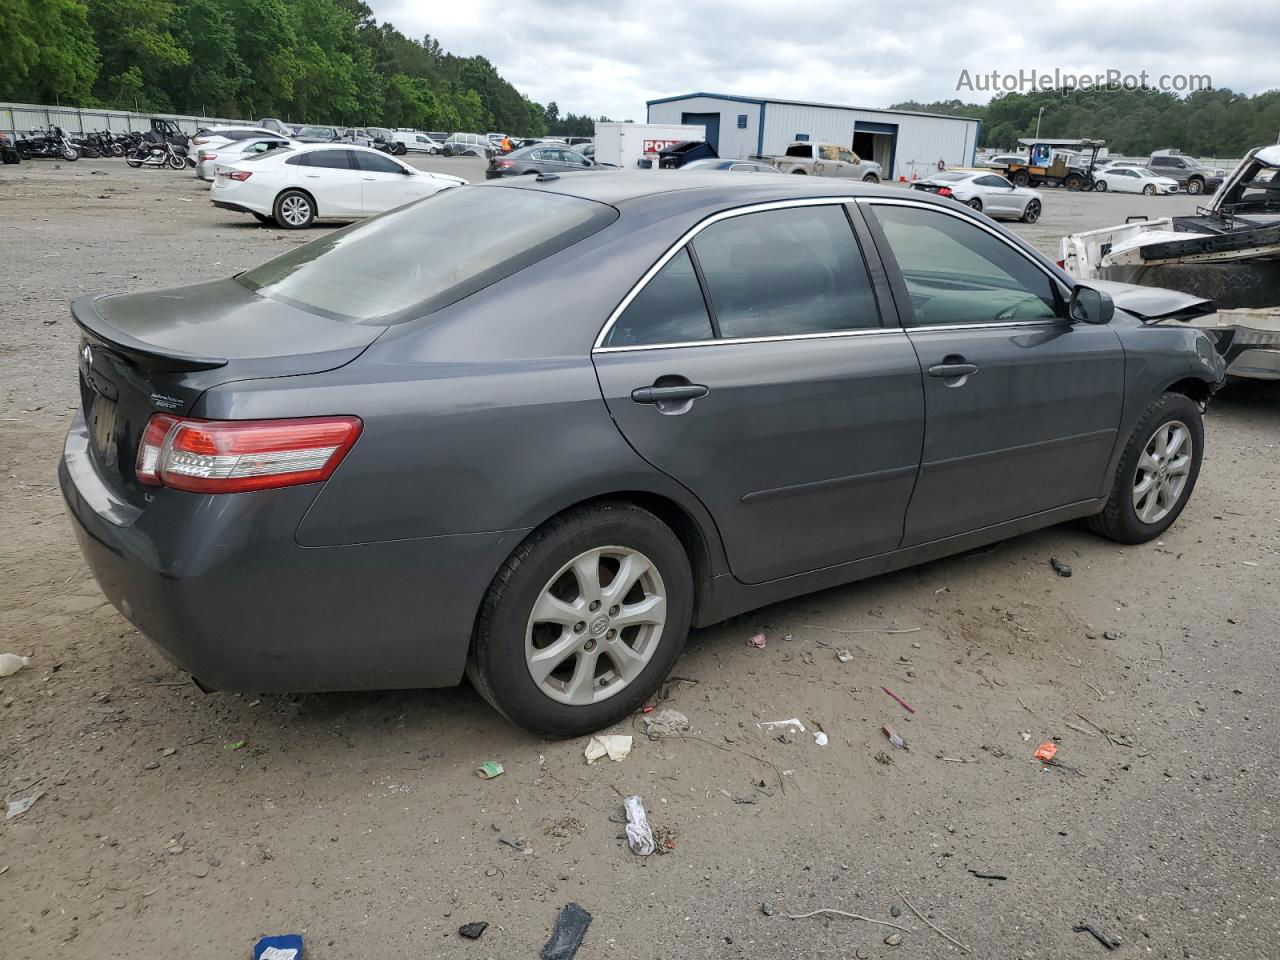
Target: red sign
(654, 146)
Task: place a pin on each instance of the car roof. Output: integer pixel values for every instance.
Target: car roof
(710, 187)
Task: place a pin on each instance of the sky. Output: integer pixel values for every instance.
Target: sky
(607, 57)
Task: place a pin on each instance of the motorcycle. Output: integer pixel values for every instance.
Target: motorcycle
(151, 154)
(52, 143)
(8, 153)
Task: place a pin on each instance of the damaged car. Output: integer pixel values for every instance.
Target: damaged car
(1227, 253)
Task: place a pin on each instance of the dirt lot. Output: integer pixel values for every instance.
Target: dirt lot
(357, 820)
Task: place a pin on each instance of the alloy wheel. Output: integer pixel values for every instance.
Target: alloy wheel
(595, 625)
(295, 210)
(1162, 471)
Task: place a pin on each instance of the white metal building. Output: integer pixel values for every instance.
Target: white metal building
(902, 143)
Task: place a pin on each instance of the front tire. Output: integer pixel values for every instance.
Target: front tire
(1020, 178)
(70, 154)
(294, 210)
(1157, 472)
(1195, 186)
(1100, 186)
(583, 621)
(1032, 213)
(1149, 190)
(870, 178)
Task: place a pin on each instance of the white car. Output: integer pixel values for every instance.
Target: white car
(987, 193)
(1002, 160)
(1132, 180)
(321, 181)
(418, 142)
(213, 137)
(207, 158)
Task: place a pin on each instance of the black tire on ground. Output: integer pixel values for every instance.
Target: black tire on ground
(262, 217)
(799, 172)
(299, 200)
(870, 178)
(1100, 186)
(1032, 213)
(1195, 186)
(1149, 190)
(496, 664)
(976, 204)
(1020, 178)
(401, 149)
(70, 154)
(1073, 182)
(1119, 518)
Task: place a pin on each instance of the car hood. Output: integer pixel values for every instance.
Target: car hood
(1153, 303)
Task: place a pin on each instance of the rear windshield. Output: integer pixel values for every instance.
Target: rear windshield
(950, 177)
(427, 255)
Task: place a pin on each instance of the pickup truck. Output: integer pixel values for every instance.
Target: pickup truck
(825, 160)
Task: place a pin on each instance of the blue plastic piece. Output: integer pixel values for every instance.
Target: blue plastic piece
(287, 947)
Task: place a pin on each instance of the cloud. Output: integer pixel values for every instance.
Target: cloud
(609, 58)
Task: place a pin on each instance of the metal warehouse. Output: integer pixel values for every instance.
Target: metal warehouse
(903, 143)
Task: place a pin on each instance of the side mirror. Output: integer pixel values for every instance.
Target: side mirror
(1091, 306)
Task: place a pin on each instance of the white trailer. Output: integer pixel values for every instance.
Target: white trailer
(625, 144)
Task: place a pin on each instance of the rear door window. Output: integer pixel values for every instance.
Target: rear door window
(786, 272)
(668, 309)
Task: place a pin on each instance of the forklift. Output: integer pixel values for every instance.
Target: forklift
(1050, 166)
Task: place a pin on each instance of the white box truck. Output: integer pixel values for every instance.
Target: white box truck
(624, 144)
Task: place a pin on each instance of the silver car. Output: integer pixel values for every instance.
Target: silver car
(234, 151)
(987, 193)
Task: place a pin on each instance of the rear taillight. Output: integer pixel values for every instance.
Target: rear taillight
(208, 156)
(234, 456)
(944, 191)
(501, 163)
(241, 175)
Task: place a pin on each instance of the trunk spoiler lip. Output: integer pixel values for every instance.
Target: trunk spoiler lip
(85, 313)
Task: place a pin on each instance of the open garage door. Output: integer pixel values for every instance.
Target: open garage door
(878, 142)
(708, 121)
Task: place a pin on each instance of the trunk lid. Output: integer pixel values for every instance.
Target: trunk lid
(158, 352)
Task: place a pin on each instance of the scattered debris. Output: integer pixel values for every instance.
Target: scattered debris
(895, 910)
(786, 726)
(932, 926)
(1104, 938)
(814, 626)
(1046, 751)
(489, 769)
(1063, 766)
(758, 641)
(11, 663)
(664, 839)
(665, 723)
(287, 947)
(988, 876)
(1059, 567)
(820, 738)
(956, 759)
(768, 909)
(17, 808)
(844, 655)
(884, 758)
(234, 745)
(566, 935)
(893, 939)
(615, 746)
(1026, 735)
(639, 833)
(518, 844)
(472, 931)
(845, 913)
(896, 740)
(902, 703)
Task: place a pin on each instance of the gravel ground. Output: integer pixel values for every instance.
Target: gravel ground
(358, 821)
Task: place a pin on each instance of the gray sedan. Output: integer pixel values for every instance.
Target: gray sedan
(988, 193)
(539, 158)
(234, 151)
(421, 446)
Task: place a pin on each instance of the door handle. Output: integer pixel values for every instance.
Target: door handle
(673, 394)
(368, 178)
(952, 370)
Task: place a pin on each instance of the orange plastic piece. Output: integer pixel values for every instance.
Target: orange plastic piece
(1046, 751)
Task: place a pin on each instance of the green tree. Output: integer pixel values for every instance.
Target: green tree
(138, 50)
(49, 51)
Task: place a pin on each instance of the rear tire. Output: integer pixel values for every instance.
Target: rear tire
(294, 210)
(975, 204)
(1142, 460)
(547, 572)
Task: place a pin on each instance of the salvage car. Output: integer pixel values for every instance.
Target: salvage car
(987, 193)
(540, 159)
(1228, 254)
(230, 151)
(294, 188)
(825, 160)
(1132, 180)
(420, 446)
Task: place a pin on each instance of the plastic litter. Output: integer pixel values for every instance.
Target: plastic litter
(902, 703)
(489, 769)
(639, 833)
(472, 931)
(615, 746)
(11, 663)
(666, 723)
(758, 641)
(820, 738)
(844, 655)
(1046, 751)
(566, 935)
(17, 808)
(782, 726)
(894, 739)
(286, 947)
(234, 745)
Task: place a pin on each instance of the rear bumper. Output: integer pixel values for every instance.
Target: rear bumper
(220, 585)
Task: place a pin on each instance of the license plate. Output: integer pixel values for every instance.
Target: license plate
(102, 427)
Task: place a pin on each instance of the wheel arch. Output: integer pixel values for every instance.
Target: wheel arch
(1198, 389)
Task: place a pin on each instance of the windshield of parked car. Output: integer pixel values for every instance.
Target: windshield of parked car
(1142, 171)
(427, 255)
(316, 132)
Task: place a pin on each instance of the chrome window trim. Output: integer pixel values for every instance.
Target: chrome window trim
(895, 202)
(686, 238)
(724, 341)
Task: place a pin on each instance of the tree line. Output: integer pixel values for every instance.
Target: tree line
(302, 60)
(1207, 123)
